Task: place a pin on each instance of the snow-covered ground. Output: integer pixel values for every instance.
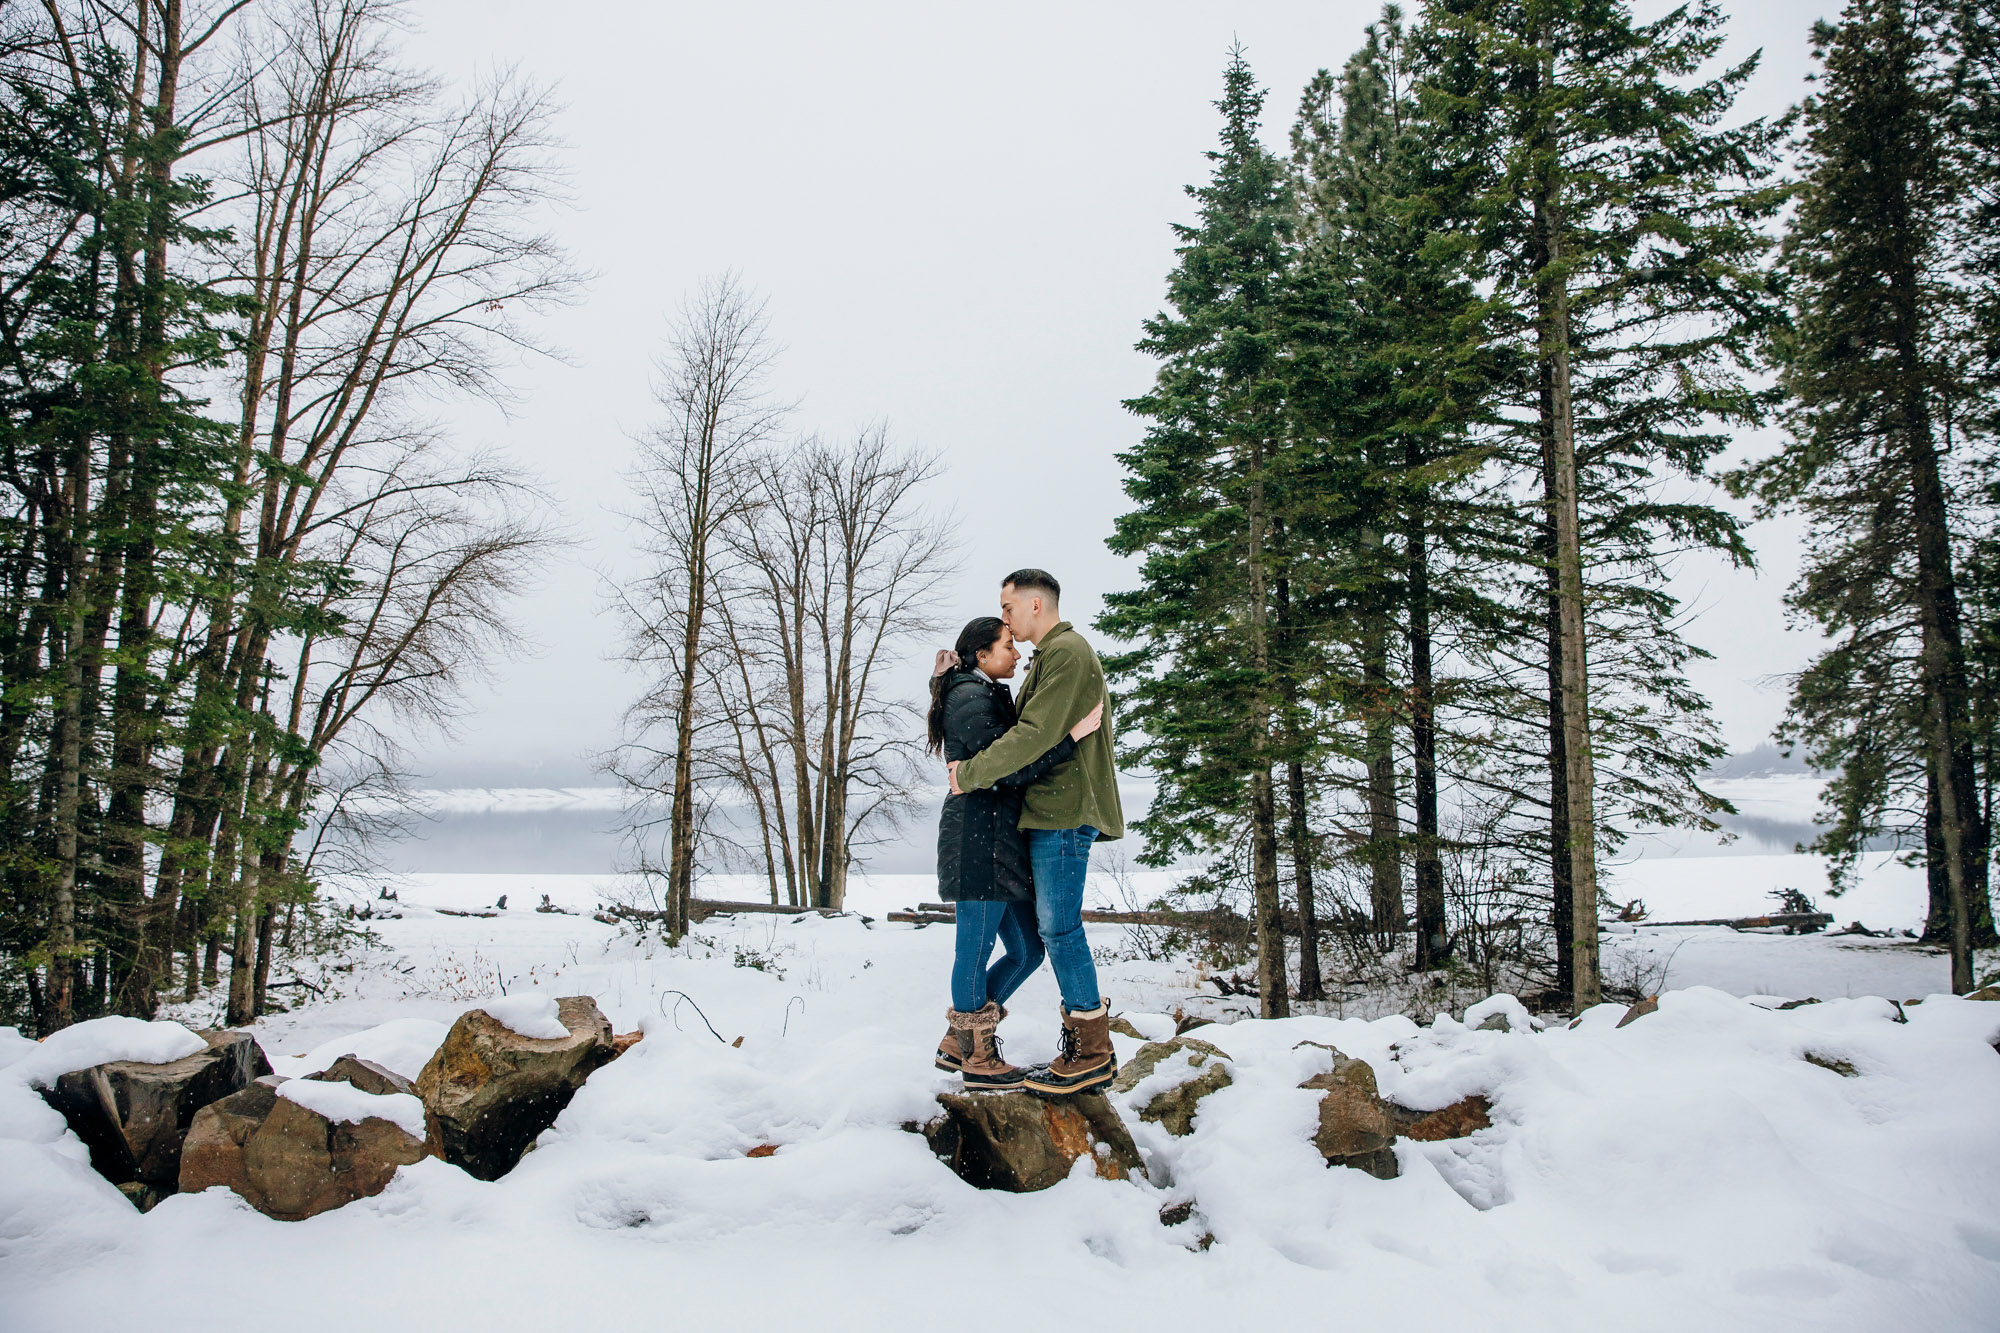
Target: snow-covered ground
(1691, 1171)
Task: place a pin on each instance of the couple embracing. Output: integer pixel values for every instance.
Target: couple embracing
(1031, 789)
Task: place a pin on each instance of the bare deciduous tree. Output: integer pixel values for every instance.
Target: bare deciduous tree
(825, 567)
(691, 474)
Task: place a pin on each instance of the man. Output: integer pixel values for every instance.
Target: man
(1075, 805)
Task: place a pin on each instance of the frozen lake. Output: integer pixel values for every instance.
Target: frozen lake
(579, 830)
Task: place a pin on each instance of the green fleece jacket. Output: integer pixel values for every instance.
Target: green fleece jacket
(1064, 682)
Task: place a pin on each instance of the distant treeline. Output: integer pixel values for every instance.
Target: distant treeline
(1443, 392)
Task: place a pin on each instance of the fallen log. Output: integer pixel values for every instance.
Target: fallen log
(701, 909)
(1793, 922)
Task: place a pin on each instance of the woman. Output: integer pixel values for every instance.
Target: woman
(982, 855)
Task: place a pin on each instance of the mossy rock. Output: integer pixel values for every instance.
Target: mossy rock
(1148, 1058)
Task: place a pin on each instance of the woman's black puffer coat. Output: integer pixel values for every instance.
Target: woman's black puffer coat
(982, 853)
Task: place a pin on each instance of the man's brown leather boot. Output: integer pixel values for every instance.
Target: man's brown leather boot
(1086, 1060)
(984, 1070)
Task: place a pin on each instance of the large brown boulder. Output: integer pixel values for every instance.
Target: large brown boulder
(134, 1116)
(290, 1162)
(1356, 1127)
(1019, 1142)
(213, 1154)
(489, 1091)
(1173, 1108)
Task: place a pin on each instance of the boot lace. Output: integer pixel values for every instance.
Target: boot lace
(1066, 1044)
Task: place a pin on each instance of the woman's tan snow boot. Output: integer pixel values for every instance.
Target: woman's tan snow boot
(952, 1047)
(983, 1069)
(956, 1042)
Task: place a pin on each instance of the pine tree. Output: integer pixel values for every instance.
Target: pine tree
(1580, 153)
(104, 449)
(1409, 371)
(1209, 486)
(1876, 370)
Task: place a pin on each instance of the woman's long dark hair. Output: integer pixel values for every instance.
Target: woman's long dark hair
(977, 636)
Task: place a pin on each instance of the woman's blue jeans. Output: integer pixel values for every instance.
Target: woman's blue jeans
(973, 984)
(1061, 860)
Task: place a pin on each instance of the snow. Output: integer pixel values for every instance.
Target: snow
(1656, 958)
(1889, 896)
(1690, 1171)
(348, 1104)
(496, 800)
(529, 1015)
(402, 1046)
(1791, 798)
(13, 1046)
(102, 1040)
(1505, 1007)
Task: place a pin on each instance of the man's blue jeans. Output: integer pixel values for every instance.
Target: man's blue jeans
(1061, 860)
(979, 924)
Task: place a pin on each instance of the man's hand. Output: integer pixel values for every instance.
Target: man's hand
(951, 773)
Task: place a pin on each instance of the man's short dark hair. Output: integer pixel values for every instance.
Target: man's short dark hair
(1032, 580)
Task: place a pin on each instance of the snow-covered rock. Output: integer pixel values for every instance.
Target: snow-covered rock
(1166, 1080)
(1504, 1012)
(529, 1015)
(348, 1105)
(1356, 1128)
(490, 1090)
(102, 1041)
(1018, 1142)
(296, 1148)
(134, 1114)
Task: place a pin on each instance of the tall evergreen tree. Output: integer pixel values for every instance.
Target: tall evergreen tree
(1210, 489)
(1406, 375)
(1876, 370)
(1581, 152)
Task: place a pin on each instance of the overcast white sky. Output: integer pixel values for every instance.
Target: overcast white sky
(961, 215)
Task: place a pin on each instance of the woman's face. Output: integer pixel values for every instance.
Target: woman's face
(998, 661)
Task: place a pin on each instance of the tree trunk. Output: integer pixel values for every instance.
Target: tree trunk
(1273, 990)
(61, 994)
(1385, 856)
(1578, 766)
(261, 977)
(1937, 884)
(241, 1006)
(1561, 900)
(1950, 758)
(680, 854)
(1433, 930)
(1298, 827)
(807, 893)
(1311, 987)
(132, 713)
